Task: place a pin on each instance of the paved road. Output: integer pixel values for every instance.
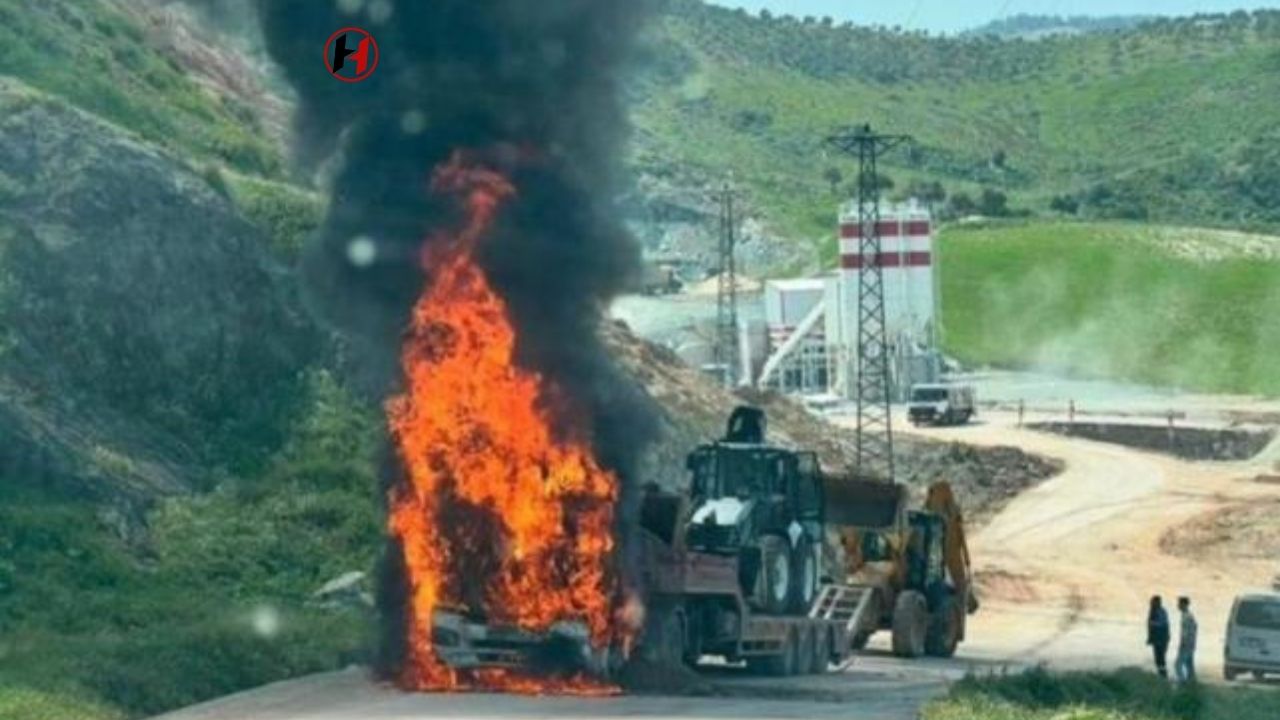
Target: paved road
(875, 690)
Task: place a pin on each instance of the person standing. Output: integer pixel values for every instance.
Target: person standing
(1185, 666)
(1158, 634)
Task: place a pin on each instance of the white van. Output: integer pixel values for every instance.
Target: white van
(1253, 637)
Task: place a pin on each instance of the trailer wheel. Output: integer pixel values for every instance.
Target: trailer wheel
(804, 576)
(774, 578)
(944, 629)
(780, 665)
(805, 651)
(692, 650)
(910, 624)
(824, 651)
(860, 640)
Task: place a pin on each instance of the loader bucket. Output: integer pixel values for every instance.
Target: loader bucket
(866, 504)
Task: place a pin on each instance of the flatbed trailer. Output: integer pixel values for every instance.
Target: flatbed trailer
(696, 608)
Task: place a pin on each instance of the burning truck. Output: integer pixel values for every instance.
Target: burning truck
(470, 249)
(506, 527)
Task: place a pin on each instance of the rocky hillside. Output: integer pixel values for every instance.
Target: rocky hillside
(147, 334)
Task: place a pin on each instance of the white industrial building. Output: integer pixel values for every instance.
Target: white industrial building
(807, 343)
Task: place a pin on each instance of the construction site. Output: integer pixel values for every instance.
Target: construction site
(817, 555)
(620, 359)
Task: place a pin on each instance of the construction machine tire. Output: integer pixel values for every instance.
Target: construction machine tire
(804, 576)
(910, 624)
(781, 665)
(773, 582)
(943, 636)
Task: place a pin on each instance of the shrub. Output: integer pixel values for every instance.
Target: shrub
(287, 214)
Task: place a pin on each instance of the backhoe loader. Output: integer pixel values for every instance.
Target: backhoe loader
(915, 562)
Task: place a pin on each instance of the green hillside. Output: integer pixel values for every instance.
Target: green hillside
(1184, 308)
(98, 56)
(1172, 121)
(117, 601)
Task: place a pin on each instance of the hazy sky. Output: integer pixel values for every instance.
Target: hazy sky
(952, 15)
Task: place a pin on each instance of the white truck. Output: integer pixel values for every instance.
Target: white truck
(939, 404)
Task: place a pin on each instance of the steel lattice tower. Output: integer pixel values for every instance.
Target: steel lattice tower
(873, 383)
(726, 345)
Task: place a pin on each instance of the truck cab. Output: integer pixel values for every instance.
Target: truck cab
(940, 404)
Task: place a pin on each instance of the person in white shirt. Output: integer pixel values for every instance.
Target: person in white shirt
(1185, 666)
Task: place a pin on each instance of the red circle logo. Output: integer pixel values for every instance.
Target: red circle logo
(351, 54)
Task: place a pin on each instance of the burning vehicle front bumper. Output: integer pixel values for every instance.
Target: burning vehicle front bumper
(465, 644)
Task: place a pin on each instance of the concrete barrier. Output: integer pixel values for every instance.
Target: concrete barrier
(1190, 443)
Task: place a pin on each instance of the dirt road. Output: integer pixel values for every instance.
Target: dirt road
(1067, 568)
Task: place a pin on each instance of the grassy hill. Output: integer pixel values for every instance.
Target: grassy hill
(1172, 121)
(1168, 306)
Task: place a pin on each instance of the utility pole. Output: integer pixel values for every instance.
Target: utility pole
(726, 347)
(873, 383)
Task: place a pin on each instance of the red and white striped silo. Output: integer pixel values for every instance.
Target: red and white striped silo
(907, 261)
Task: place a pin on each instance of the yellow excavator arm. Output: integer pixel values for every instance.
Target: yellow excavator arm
(941, 501)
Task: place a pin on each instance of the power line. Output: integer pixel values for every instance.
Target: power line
(726, 347)
(873, 382)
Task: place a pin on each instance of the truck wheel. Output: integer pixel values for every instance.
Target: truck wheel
(672, 648)
(910, 624)
(944, 630)
(774, 579)
(1229, 673)
(804, 576)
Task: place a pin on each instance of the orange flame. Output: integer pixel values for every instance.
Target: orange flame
(497, 513)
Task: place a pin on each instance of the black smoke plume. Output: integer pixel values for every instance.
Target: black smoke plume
(534, 87)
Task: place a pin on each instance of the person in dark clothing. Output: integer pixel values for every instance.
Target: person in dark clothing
(1158, 635)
